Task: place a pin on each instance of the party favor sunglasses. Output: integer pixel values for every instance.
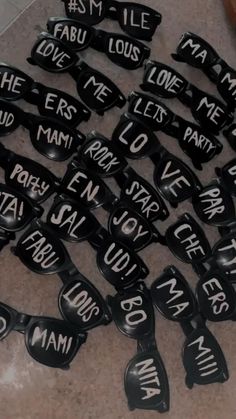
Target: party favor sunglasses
(14, 85)
(50, 341)
(120, 49)
(200, 146)
(97, 91)
(165, 82)
(51, 138)
(196, 52)
(135, 19)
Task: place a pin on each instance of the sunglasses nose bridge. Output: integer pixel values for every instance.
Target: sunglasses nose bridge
(99, 39)
(22, 321)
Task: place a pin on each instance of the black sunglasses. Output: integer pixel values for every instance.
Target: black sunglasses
(15, 85)
(27, 176)
(224, 255)
(166, 82)
(97, 91)
(50, 341)
(136, 19)
(120, 49)
(198, 53)
(227, 175)
(200, 146)
(51, 138)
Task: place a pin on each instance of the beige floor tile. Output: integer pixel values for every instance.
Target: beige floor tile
(8, 12)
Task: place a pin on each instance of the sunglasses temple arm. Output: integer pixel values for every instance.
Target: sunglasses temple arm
(199, 269)
(5, 238)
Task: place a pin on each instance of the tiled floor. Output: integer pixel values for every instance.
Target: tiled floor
(9, 9)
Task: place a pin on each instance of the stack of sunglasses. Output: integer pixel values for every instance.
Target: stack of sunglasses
(131, 228)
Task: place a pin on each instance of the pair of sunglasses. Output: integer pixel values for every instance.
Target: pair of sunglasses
(120, 49)
(50, 341)
(74, 223)
(166, 82)
(198, 53)
(200, 146)
(53, 103)
(133, 314)
(96, 90)
(40, 250)
(51, 138)
(137, 20)
(174, 299)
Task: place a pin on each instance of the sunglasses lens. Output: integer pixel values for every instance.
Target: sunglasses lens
(41, 251)
(130, 228)
(154, 396)
(126, 52)
(119, 265)
(30, 178)
(224, 253)
(187, 240)
(132, 312)
(76, 35)
(134, 139)
(97, 91)
(138, 21)
(52, 139)
(82, 305)
(52, 342)
(228, 176)
(216, 297)
(71, 222)
(196, 51)
(85, 188)
(10, 117)
(15, 210)
(59, 105)
(212, 367)
(100, 158)
(90, 12)
(52, 55)
(214, 206)
(14, 84)
(173, 297)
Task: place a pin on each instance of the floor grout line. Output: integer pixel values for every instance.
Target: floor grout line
(15, 17)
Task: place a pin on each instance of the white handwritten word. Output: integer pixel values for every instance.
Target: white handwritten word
(200, 140)
(24, 178)
(142, 197)
(190, 241)
(215, 295)
(134, 317)
(88, 6)
(9, 204)
(60, 106)
(11, 82)
(148, 377)
(213, 111)
(6, 118)
(124, 48)
(49, 49)
(119, 260)
(102, 155)
(58, 343)
(89, 191)
(54, 136)
(231, 246)
(232, 83)
(177, 181)
(130, 225)
(214, 200)
(151, 110)
(70, 33)
(204, 367)
(165, 78)
(175, 295)
(101, 91)
(129, 16)
(197, 51)
(72, 221)
(85, 306)
(136, 143)
(43, 253)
